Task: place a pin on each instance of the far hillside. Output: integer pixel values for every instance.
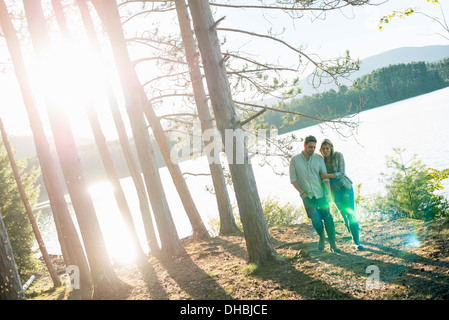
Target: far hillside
(429, 54)
(380, 87)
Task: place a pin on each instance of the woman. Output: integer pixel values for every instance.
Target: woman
(341, 186)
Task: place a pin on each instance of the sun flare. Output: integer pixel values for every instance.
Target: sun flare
(118, 241)
(71, 77)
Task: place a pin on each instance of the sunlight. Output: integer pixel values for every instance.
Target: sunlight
(71, 73)
(117, 240)
(72, 78)
(413, 241)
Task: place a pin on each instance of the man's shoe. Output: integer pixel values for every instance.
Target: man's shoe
(359, 247)
(321, 244)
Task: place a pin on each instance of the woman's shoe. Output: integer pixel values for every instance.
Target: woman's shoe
(335, 249)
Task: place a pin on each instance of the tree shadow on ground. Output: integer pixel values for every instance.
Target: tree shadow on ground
(418, 281)
(193, 280)
(154, 287)
(415, 275)
(289, 278)
(406, 255)
(423, 276)
(217, 266)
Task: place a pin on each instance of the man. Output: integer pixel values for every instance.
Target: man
(305, 169)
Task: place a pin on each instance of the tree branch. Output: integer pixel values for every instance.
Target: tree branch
(253, 117)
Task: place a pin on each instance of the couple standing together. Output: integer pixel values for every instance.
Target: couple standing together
(321, 180)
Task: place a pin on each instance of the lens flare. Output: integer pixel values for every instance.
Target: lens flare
(117, 239)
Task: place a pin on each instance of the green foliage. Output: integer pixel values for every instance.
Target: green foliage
(442, 67)
(13, 211)
(366, 205)
(402, 14)
(411, 190)
(277, 214)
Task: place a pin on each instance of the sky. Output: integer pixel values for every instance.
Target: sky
(354, 29)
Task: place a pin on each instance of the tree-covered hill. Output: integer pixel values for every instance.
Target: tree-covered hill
(380, 87)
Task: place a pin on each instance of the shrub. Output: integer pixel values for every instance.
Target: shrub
(275, 213)
(13, 212)
(411, 189)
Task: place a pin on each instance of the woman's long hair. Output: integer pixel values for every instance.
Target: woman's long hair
(328, 143)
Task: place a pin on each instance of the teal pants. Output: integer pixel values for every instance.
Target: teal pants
(344, 200)
(318, 211)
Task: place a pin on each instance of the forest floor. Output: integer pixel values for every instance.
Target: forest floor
(411, 257)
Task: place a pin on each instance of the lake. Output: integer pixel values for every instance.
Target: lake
(418, 125)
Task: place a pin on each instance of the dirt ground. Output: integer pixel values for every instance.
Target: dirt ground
(402, 260)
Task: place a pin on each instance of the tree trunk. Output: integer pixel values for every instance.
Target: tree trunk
(67, 233)
(198, 228)
(123, 138)
(106, 282)
(115, 182)
(170, 243)
(258, 242)
(103, 149)
(10, 284)
(227, 221)
(29, 211)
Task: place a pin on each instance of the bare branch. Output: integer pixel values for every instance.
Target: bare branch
(253, 117)
(339, 69)
(297, 5)
(179, 115)
(164, 77)
(171, 95)
(136, 62)
(319, 119)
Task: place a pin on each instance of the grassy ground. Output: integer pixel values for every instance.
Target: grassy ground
(412, 258)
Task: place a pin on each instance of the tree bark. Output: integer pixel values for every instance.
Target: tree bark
(109, 15)
(227, 221)
(198, 228)
(105, 281)
(258, 242)
(67, 233)
(10, 284)
(29, 211)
